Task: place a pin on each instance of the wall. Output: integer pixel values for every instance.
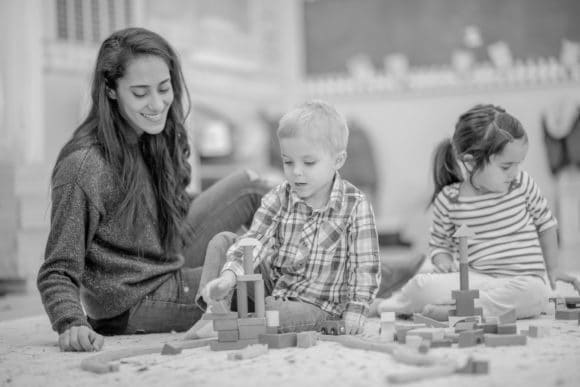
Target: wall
(406, 127)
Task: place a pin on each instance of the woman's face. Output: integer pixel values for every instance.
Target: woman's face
(145, 94)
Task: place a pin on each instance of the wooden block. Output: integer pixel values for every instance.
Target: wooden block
(455, 319)
(465, 326)
(539, 331)
(413, 341)
(474, 367)
(427, 333)
(470, 338)
(271, 330)
(425, 346)
(230, 345)
(464, 302)
(508, 317)
(251, 351)
(280, 340)
(568, 314)
(233, 335)
(306, 339)
(572, 302)
(420, 319)
(272, 318)
(220, 316)
(387, 331)
(169, 349)
(225, 325)
(488, 327)
(507, 329)
(388, 317)
(495, 340)
(257, 321)
(251, 331)
(441, 343)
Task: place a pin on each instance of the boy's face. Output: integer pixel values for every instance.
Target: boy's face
(503, 168)
(309, 167)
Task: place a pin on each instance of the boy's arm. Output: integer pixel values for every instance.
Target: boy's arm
(263, 229)
(363, 266)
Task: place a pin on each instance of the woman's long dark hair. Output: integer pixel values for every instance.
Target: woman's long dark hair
(481, 132)
(165, 154)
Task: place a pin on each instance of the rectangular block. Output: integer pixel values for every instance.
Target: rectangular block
(388, 317)
(231, 345)
(507, 329)
(220, 316)
(539, 331)
(464, 302)
(232, 335)
(306, 339)
(470, 338)
(465, 326)
(259, 321)
(488, 327)
(251, 331)
(225, 325)
(280, 340)
(508, 317)
(568, 314)
(493, 340)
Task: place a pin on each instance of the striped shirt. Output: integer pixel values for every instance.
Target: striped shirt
(506, 226)
(328, 257)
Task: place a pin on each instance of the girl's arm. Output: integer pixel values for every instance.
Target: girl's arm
(549, 243)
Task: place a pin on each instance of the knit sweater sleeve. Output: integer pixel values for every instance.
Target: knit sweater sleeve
(73, 223)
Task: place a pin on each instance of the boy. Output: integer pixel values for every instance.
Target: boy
(318, 234)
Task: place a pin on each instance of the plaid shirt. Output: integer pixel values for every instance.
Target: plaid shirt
(328, 257)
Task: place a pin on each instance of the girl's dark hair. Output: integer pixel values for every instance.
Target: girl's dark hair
(481, 132)
(165, 154)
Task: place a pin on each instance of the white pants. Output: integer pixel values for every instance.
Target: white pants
(528, 295)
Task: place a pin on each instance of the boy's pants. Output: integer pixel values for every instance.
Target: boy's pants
(528, 295)
(294, 315)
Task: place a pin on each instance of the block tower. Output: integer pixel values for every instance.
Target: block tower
(464, 297)
(238, 330)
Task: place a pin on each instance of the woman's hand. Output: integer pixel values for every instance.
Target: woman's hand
(80, 339)
(444, 263)
(219, 288)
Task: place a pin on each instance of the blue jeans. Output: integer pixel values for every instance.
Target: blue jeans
(225, 206)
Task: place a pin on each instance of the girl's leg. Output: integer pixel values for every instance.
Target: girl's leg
(528, 295)
(225, 206)
(423, 289)
(296, 316)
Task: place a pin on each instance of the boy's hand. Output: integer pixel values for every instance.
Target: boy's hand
(219, 288)
(80, 339)
(354, 323)
(444, 263)
(560, 275)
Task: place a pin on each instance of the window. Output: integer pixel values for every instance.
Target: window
(86, 21)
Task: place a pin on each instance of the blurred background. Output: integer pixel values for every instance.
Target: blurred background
(401, 71)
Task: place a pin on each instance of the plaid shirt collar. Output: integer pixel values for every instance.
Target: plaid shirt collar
(334, 203)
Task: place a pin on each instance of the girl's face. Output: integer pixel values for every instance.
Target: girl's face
(503, 167)
(145, 94)
(309, 167)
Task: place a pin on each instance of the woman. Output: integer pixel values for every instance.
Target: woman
(126, 242)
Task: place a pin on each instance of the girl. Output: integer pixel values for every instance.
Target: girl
(120, 211)
(479, 183)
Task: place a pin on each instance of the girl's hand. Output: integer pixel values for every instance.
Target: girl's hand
(217, 289)
(80, 339)
(444, 263)
(560, 275)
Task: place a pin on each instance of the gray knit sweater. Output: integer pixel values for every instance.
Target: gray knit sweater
(93, 256)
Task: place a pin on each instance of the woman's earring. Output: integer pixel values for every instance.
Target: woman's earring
(111, 93)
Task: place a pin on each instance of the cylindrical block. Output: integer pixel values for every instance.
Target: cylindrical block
(242, 298)
(259, 304)
(248, 259)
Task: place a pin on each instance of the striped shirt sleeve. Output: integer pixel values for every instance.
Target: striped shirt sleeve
(537, 204)
(442, 229)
